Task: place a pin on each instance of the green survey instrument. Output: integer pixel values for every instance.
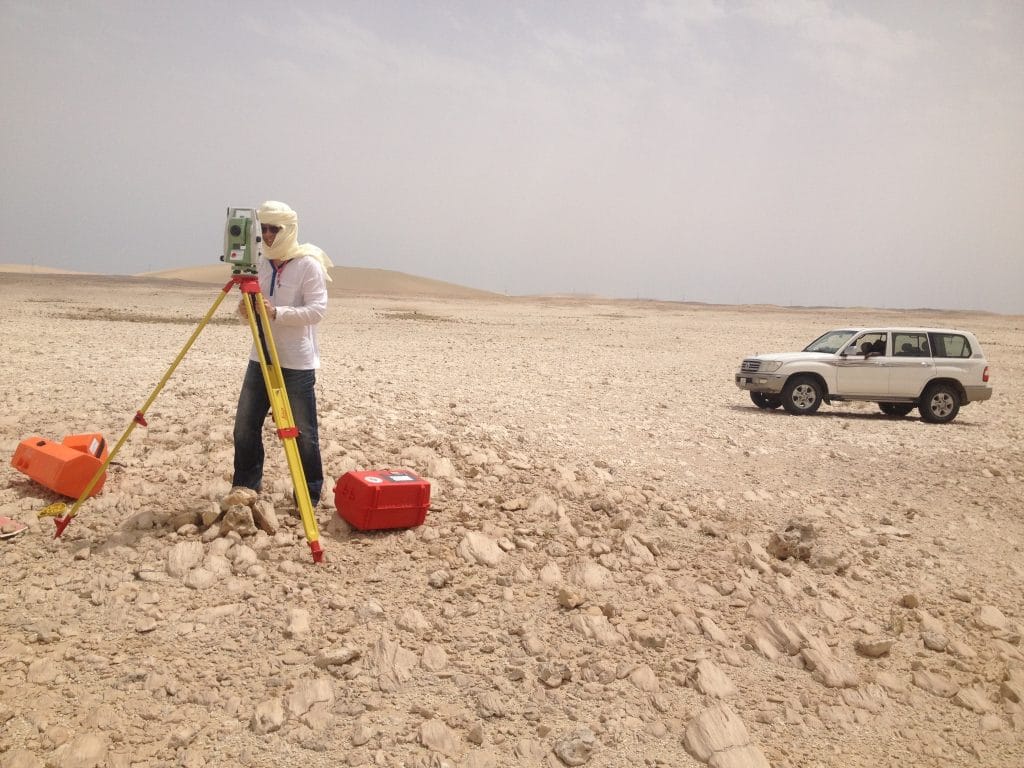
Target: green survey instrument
(242, 250)
(242, 241)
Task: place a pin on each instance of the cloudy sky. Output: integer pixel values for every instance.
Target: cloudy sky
(809, 152)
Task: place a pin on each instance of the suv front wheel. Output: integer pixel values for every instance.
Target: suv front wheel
(940, 404)
(766, 401)
(801, 395)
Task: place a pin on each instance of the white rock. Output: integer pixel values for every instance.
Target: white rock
(991, 618)
(199, 578)
(435, 658)
(298, 622)
(86, 751)
(576, 748)
(306, 693)
(183, 557)
(478, 548)
(412, 620)
(435, 735)
(708, 678)
(269, 716)
(719, 734)
(643, 677)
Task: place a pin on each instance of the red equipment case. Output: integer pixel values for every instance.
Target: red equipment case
(65, 467)
(382, 498)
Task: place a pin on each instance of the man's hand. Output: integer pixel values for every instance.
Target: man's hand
(271, 309)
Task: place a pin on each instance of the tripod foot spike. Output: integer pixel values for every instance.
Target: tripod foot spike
(317, 550)
(61, 523)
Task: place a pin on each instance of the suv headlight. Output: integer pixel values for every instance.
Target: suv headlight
(770, 366)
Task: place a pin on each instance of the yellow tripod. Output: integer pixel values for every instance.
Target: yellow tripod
(273, 378)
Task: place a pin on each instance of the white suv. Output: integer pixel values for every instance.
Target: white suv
(936, 370)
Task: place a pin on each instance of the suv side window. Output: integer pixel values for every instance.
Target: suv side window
(910, 345)
(868, 344)
(950, 345)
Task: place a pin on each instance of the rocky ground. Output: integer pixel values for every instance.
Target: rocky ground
(624, 562)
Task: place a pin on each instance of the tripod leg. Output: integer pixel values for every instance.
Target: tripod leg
(273, 379)
(140, 415)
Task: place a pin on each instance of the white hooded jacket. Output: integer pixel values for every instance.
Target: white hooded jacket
(297, 290)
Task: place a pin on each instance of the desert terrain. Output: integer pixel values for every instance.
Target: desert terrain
(624, 562)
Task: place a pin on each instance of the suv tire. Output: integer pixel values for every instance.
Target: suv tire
(765, 401)
(939, 404)
(801, 395)
(896, 409)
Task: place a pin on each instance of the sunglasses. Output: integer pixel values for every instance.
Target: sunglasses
(269, 228)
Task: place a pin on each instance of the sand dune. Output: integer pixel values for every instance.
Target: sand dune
(32, 269)
(345, 280)
(360, 280)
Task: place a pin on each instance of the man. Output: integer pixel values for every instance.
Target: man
(293, 280)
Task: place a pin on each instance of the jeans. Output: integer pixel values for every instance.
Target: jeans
(253, 407)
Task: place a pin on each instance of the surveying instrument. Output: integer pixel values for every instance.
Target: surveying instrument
(242, 250)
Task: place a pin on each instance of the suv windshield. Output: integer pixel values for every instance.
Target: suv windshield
(830, 343)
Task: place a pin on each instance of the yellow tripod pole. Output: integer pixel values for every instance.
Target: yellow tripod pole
(139, 418)
(273, 378)
(276, 393)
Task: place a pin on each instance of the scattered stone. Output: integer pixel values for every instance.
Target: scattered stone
(183, 557)
(439, 579)
(412, 620)
(199, 578)
(576, 748)
(238, 519)
(392, 662)
(718, 736)
(269, 716)
(362, 732)
(990, 618)
(438, 737)
(974, 699)
(1012, 688)
(827, 669)
(86, 751)
(306, 693)
(336, 656)
(239, 496)
(935, 683)
(477, 548)
(795, 541)
(490, 704)
(569, 598)
(643, 677)
(935, 641)
(264, 516)
(435, 658)
(298, 623)
(708, 678)
(874, 647)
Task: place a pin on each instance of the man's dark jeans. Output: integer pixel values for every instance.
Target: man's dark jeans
(253, 407)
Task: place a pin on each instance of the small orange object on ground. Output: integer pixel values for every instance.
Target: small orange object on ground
(65, 467)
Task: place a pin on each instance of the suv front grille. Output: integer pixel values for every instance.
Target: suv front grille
(750, 366)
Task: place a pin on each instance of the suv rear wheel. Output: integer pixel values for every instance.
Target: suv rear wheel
(801, 395)
(766, 401)
(940, 404)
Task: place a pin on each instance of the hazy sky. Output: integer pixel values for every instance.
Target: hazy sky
(791, 152)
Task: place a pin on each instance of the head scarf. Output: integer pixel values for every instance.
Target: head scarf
(286, 244)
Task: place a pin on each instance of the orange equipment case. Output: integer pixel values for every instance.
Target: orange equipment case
(380, 499)
(65, 467)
